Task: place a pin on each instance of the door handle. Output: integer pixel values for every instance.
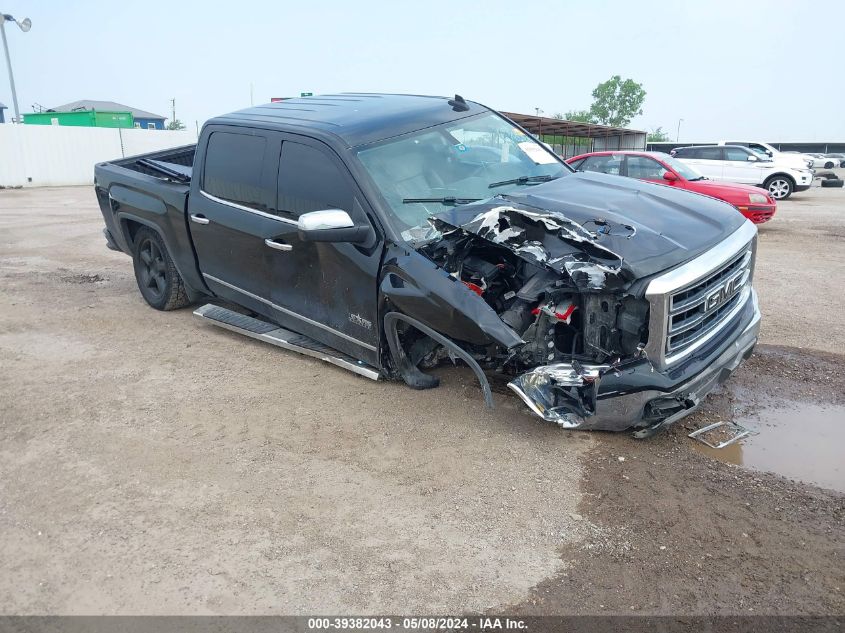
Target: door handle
(200, 219)
(279, 246)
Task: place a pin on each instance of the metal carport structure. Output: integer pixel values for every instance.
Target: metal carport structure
(570, 138)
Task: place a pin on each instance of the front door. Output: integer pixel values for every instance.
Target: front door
(738, 168)
(326, 290)
(229, 214)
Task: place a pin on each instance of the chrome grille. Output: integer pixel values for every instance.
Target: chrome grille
(700, 308)
(682, 299)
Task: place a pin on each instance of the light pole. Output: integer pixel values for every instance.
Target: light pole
(678, 136)
(24, 26)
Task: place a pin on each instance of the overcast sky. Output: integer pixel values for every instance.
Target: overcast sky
(767, 70)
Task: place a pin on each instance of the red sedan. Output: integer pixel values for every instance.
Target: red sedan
(754, 203)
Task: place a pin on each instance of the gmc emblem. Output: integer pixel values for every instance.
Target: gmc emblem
(724, 292)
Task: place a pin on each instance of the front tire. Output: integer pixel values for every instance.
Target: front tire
(158, 280)
(780, 187)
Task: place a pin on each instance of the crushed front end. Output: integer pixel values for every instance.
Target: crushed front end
(604, 346)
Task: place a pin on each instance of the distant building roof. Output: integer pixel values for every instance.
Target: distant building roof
(105, 106)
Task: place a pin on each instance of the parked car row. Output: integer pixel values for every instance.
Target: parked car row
(753, 203)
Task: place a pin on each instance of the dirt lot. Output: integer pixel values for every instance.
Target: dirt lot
(152, 464)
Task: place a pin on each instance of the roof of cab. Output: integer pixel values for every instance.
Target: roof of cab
(355, 118)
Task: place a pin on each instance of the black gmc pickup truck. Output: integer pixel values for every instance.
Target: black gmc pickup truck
(388, 233)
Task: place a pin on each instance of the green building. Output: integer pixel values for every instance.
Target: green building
(81, 118)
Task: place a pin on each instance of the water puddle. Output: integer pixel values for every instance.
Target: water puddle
(804, 442)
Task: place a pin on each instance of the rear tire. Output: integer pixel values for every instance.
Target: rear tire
(829, 164)
(780, 187)
(158, 280)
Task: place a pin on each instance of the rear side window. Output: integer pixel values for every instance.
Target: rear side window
(708, 153)
(309, 180)
(603, 164)
(233, 167)
(645, 168)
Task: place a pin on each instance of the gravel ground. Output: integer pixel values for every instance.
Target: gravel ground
(152, 464)
(801, 269)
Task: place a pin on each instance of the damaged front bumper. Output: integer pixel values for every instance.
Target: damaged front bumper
(600, 397)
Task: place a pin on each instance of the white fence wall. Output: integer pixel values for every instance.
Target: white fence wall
(54, 155)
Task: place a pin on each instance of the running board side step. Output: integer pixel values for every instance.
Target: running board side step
(280, 337)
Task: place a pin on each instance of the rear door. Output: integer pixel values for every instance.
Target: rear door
(229, 213)
(706, 160)
(326, 290)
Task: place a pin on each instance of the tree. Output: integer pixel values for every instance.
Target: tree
(175, 124)
(584, 116)
(657, 135)
(617, 101)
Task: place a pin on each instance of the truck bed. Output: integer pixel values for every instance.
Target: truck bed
(150, 190)
(172, 164)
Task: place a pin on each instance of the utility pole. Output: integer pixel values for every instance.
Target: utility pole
(678, 135)
(173, 109)
(24, 26)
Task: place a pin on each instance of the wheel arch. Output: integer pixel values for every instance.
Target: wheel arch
(783, 174)
(409, 372)
(130, 224)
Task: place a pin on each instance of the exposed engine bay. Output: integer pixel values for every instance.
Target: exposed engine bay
(569, 304)
(536, 290)
(559, 317)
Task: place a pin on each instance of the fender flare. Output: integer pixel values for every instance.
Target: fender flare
(403, 363)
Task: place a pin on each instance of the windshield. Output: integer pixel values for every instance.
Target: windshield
(427, 172)
(684, 171)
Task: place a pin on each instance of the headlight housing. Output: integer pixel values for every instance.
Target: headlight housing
(757, 198)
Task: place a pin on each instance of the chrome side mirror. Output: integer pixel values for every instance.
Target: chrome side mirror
(322, 220)
(331, 225)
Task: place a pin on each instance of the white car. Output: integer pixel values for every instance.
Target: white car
(796, 160)
(825, 161)
(733, 163)
(836, 156)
